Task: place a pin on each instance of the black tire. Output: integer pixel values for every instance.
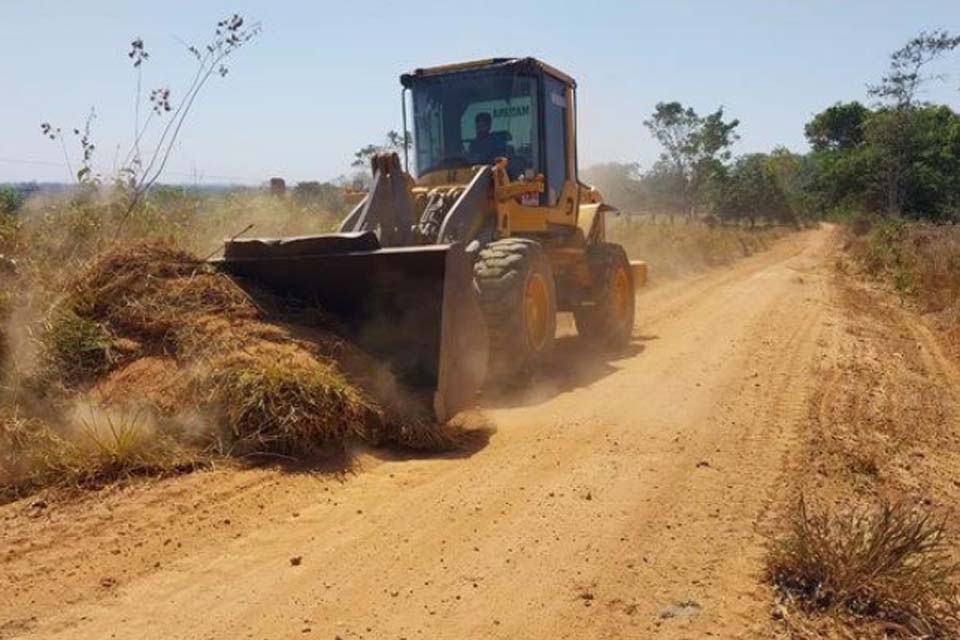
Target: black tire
(504, 272)
(609, 320)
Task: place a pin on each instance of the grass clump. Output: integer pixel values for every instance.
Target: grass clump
(286, 405)
(76, 347)
(889, 565)
(31, 455)
(102, 447)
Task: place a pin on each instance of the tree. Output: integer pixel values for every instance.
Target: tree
(693, 147)
(900, 86)
(750, 190)
(927, 141)
(139, 173)
(839, 127)
(897, 93)
(393, 142)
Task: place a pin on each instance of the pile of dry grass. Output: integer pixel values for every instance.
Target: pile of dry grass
(889, 566)
(186, 363)
(149, 322)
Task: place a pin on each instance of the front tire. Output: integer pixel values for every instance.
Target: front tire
(519, 303)
(609, 319)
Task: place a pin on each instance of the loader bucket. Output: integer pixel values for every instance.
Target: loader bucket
(414, 307)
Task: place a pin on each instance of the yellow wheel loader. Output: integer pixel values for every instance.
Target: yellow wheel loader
(455, 273)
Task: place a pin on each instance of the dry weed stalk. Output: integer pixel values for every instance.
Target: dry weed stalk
(890, 564)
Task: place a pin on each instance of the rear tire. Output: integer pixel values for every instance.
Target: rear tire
(519, 303)
(609, 320)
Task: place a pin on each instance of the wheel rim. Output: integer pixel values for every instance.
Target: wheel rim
(622, 293)
(536, 311)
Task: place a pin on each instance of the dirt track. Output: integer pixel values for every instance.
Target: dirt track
(624, 498)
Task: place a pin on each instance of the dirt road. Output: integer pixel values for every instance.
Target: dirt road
(616, 499)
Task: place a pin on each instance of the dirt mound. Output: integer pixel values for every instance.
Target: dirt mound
(149, 324)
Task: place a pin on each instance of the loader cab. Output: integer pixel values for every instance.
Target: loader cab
(529, 108)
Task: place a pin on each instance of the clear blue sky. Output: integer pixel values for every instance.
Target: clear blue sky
(321, 80)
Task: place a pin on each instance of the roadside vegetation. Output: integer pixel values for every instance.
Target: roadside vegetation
(881, 559)
(124, 353)
(682, 246)
(889, 566)
(132, 356)
(920, 260)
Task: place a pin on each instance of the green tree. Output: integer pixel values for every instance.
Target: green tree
(920, 148)
(895, 129)
(837, 128)
(693, 147)
(750, 190)
(323, 195)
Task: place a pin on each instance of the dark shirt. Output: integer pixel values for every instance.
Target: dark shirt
(484, 150)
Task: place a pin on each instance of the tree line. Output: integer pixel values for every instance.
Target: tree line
(898, 156)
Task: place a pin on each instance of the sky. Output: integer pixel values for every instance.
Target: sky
(322, 78)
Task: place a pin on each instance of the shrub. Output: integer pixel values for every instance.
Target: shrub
(890, 563)
(920, 260)
(10, 200)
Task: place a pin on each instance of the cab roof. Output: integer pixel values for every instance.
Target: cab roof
(518, 65)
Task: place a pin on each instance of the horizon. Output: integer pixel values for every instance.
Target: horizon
(310, 91)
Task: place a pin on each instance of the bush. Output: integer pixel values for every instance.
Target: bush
(323, 196)
(10, 200)
(920, 260)
(889, 563)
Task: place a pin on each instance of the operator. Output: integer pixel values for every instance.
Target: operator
(485, 148)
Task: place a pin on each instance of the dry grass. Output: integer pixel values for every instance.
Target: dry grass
(889, 567)
(170, 360)
(681, 247)
(4, 314)
(77, 347)
(175, 361)
(285, 403)
(103, 447)
(921, 260)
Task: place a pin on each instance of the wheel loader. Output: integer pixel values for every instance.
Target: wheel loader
(454, 273)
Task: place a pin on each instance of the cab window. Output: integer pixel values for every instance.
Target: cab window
(555, 133)
(470, 119)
